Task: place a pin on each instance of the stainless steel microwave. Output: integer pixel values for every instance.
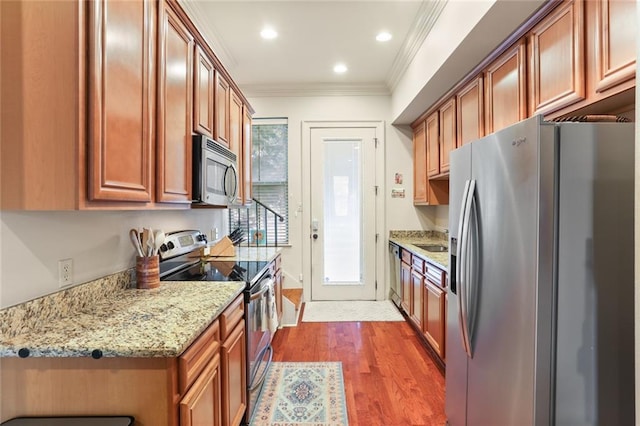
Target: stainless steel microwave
(215, 173)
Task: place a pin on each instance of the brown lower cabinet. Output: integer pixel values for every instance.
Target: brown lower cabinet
(196, 407)
(424, 294)
(205, 385)
(434, 316)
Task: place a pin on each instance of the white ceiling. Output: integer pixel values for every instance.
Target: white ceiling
(312, 37)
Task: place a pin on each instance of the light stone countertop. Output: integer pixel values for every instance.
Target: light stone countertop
(409, 240)
(161, 322)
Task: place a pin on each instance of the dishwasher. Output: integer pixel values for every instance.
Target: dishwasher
(394, 274)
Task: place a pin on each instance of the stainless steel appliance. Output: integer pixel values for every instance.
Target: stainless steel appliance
(215, 173)
(259, 298)
(540, 310)
(394, 273)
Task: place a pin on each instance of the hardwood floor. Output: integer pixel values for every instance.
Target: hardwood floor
(389, 378)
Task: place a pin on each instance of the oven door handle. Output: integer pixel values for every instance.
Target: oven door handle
(256, 384)
(265, 289)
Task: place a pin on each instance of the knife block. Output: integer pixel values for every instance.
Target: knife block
(223, 248)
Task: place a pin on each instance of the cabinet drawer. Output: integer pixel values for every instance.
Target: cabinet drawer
(231, 316)
(418, 264)
(197, 356)
(406, 256)
(435, 275)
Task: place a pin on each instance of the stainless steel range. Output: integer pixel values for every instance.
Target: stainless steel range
(178, 263)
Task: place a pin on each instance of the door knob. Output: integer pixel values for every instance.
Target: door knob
(315, 236)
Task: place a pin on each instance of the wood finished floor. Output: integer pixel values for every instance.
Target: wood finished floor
(389, 378)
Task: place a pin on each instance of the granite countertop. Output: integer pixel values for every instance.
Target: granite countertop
(408, 239)
(128, 322)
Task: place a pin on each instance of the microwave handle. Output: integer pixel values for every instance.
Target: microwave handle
(231, 188)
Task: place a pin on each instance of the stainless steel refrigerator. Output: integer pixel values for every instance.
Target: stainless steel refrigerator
(540, 306)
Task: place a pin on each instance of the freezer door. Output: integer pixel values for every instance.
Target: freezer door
(456, 377)
(509, 171)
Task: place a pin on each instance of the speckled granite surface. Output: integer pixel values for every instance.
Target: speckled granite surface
(126, 322)
(408, 239)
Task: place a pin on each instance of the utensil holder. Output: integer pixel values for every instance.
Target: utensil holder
(147, 272)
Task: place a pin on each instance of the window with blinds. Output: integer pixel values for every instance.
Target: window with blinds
(270, 177)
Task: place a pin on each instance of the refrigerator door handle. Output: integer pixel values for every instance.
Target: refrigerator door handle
(463, 260)
(459, 264)
(471, 289)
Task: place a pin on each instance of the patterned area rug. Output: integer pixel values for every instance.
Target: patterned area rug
(302, 394)
(358, 310)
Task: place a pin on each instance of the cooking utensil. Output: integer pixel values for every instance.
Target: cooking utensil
(135, 240)
(158, 240)
(150, 242)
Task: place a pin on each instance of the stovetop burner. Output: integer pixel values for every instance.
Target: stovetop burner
(220, 270)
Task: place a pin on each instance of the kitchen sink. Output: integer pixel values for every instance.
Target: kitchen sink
(432, 247)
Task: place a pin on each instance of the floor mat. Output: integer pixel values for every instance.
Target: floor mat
(302, 394)
(359, 310)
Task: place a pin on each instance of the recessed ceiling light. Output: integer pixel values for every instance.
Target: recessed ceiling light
(383, 36)
(340, 68)
(268, 33)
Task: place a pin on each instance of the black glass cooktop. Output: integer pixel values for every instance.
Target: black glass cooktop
(219, 270)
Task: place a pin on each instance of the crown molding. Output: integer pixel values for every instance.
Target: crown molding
(315, 89)
(426, 18)
(212, 37)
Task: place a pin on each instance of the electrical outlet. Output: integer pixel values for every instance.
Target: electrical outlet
(65, 272)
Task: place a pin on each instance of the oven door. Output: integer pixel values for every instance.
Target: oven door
(261, 324)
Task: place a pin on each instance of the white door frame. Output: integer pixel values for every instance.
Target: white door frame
(307, 126)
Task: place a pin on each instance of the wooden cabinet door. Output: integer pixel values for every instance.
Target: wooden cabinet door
(234, 381)
(416, 301)
(470, 112)
(222, 110)
(405, 287)
(121, 100)
(174, 109)
(505, 85)
(247, 152)
(432, 134)
(447, 133)
(201, 404)
(235, 139)
(615, 39)
(434, 316)
(203, 94)
(419, 165)
(556, 59)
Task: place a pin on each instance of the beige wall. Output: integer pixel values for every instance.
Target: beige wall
(31, 243)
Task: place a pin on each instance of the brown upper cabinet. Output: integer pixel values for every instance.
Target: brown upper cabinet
(117, 124)
(419, 165)
(470, 112)
(203, 94)
(614, 58)
(222, 110)
(247, 149)
(432, 133)
(556, 59)
(236, 139)
(121, 101)
(505, 89)
(175, 104)
(447, 133)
